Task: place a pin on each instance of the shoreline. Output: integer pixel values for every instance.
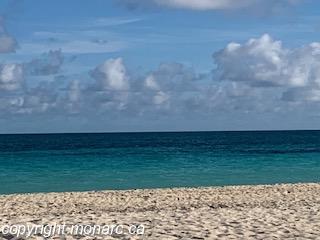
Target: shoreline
(229, 212)
(160, 189)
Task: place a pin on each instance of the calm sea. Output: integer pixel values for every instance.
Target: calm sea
(78, 162)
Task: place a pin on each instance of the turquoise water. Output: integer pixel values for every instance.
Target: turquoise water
(78, 162)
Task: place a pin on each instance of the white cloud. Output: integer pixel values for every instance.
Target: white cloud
(212, 4)
(74, 95)
(116, 21)
(11, 77)
(260, 75)
(112, 75)
(160, 98)
(259, 62)
(205, 4)
(292, 75)
(170, 85)
(264, 62)
(172, 77)
(151, 83)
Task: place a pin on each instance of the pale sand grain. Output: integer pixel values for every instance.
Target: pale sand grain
(287, 211)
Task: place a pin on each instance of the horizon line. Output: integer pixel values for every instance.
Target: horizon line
(167, 131)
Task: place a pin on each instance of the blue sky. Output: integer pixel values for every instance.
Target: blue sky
(159, 65)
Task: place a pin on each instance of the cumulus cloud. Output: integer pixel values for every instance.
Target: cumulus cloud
(211, 4)
(48, 64)
(73, 100)
(111, 75)
(41, 99)
(11, 77)
(170, 83)
(17, 97)
(172, 77)
(259, 75)
(264, 62)
(276, 74)
(158, 96)
(163, 89)
(259, 62)
(8, 44)
(111, 88)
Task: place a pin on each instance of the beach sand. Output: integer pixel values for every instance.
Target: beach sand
(287, 211)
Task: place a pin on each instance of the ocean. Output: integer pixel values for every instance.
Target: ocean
(79, 162)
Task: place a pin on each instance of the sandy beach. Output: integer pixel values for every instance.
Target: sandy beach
(288, 211)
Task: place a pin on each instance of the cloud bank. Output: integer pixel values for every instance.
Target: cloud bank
(257, 76)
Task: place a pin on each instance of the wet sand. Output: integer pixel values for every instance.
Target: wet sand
(287, 211)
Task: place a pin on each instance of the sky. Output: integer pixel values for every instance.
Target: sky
(159, 65)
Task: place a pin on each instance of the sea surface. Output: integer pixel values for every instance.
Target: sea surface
(80, 162)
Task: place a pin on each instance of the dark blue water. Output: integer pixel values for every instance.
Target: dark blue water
(77, 162)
